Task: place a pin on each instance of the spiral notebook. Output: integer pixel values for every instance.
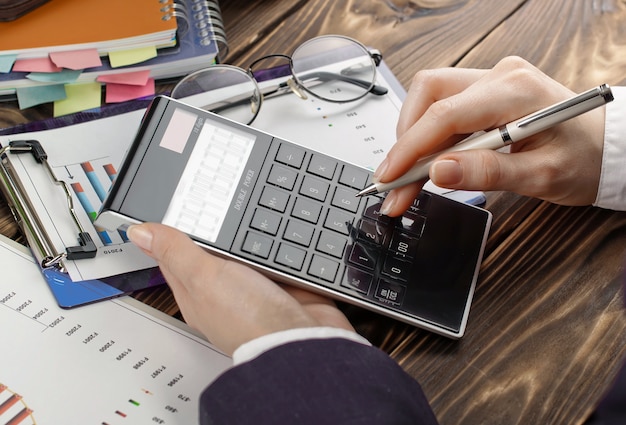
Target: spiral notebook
(200, 39)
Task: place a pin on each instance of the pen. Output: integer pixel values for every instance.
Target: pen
(505, 135)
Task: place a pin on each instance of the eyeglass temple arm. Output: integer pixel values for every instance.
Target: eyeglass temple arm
(329, 76)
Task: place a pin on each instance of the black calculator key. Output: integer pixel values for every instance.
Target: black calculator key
(331, 244)
(322, 166)
(299, 232)
(357, 279)
(390, 292)
(314, 188)
(290, 256)
(421, 202)
(373, 232)
(404, 245)
(353, 177)
(257, 244)
(323, 268)
(398, 268)
(307, 210)
(412, 223)
(265, 221)
(282, 177)
(364, 255)
(373, 210)
(274, 199)
(339, 221)
(345, 199)
(290, 155)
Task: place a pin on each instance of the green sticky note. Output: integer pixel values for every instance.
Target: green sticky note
(63, 76)
(36, 95)
(80, 97)
(6, 63)
(133, 56)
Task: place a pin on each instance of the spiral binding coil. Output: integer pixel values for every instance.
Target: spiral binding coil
(204, 17)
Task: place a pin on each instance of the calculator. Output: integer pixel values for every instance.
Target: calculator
(292, 213)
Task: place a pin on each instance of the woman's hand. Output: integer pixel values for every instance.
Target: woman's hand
(228, 302)
(443, 106)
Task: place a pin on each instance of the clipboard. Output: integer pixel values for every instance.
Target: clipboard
(69, 292)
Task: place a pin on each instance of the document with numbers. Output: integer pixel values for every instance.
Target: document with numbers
(113, 362)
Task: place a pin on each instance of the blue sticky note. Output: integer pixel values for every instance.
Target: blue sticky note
(6, 63)
(64, 76)
(31, 96)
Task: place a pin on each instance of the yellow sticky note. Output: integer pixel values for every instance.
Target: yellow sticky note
(130, 57)
(80, 97)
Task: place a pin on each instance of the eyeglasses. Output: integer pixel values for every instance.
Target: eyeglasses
(333, 68)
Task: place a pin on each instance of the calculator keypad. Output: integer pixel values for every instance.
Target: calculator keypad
(308, 222)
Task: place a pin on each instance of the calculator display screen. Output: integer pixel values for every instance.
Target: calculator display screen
(209, 180)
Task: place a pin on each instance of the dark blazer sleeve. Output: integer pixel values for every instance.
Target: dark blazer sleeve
(320, 381)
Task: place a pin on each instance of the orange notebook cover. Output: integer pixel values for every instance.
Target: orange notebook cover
(107, 25)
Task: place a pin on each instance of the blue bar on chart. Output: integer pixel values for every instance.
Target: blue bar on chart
(93, 179)
(91, 212)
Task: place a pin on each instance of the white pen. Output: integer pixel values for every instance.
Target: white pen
(505, 135)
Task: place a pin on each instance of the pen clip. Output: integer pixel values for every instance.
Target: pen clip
(601, 91)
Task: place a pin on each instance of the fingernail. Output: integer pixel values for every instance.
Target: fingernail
(140, 236)
(388, 204)
(446, 172)
(380, 171)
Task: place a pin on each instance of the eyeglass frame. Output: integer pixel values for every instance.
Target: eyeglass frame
(293, 83)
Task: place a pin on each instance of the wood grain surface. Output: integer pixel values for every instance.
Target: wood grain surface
(547, 330)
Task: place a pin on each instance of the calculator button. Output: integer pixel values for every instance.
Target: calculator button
(282, 177)
(290, 155)
(353, 177)
(290, 256)
(421, 202)
(299, 232)
(331, 244)
(373, 210)
(338, 221)
(274, 199)
(265, 221)
(404, 245)
(307, 210)
(314, 188)
(364, 255)
(397, 268)
(357, 279)
(390, 292)
(323, 268)
(257, 244)
(322, 166)
(346, 200)
(373, 232)
(412, 223)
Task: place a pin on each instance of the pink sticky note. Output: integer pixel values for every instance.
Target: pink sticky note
(123, 92)
(35, 65)
(76, 59)
(137, 78)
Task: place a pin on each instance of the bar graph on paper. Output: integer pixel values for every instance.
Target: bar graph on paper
(13, 408)
(90, 182)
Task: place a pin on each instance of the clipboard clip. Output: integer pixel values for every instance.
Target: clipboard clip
(86, 248)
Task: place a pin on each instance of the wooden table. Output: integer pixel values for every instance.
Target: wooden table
(547, 330)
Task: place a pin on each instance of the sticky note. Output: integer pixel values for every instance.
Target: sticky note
(6, 62)
(35, 65)
(31, 96)
(76, 59)
(136, 78)
(80, 97)
(123, 92)
(63, 76)
(133, 56)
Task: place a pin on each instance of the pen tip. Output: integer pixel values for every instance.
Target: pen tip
(370, 190)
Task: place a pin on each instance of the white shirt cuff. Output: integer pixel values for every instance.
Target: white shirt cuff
(258, 346)
(612, 188)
